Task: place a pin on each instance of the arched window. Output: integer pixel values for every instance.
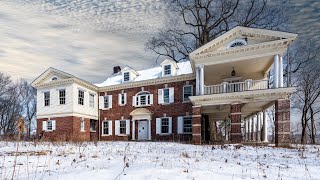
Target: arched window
(237, 43)
(143, 98)
(54, 78)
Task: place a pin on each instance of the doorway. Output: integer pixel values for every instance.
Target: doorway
(143, 130)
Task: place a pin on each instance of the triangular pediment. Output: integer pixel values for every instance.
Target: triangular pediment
(242, 36)
(50, 75)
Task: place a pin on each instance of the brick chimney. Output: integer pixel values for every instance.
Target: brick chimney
(116, 69)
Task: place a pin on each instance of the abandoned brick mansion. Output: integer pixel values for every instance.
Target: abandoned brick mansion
(226, 80)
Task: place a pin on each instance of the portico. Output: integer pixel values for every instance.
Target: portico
(141, 118)
(233, 83)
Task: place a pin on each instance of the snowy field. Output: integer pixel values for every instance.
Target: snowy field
(156, 160)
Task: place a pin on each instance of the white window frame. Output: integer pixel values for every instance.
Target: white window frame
(80, 97)
(62, 96)
(147, 96)
(183, 127)
(107, 102)
(164, 98)
(103, 128)
(91, 100)
(165, 72)
(46, 99)
(49, 124)
(122, 99)
(183, 98)
(125, 77)
(125, 127)
(82, 125)
(159, 126)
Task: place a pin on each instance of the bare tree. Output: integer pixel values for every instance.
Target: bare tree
(196, 22)
(307, 99)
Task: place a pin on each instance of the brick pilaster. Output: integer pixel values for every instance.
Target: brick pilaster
(196, 124)
(282, 122)
(235, 116)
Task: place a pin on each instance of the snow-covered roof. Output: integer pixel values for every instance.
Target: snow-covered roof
(147, 74)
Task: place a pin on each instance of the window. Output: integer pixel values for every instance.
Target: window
(91, 100)
(107, 101)
(62, 96)
(122, 99)
(167, 69)
(82, 124)
(187, 125)
(123, 127)
(164, 125)
(80, 97)
(166, 96)
(54, 78)
(92, 126)
(105, 127)
(143, 99)
(187, 91)
(49, 126)
(126, 76)
(47, 99)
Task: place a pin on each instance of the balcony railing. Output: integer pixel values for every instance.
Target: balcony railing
(247, 85)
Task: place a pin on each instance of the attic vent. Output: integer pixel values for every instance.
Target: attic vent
(237, 43)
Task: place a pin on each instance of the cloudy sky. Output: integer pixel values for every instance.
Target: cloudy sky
(88, 37)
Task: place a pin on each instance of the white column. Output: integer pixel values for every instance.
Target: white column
(245, 129)
(149, 130)
(258, 127)
(252, 128)
(248, 136)
(276, 71)
(202, 79)
(280, 71)
(197, 81)
(133, 129)
(265, 127)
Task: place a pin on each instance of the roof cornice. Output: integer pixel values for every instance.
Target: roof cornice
(162, 80)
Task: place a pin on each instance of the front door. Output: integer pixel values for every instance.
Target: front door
(142, 130)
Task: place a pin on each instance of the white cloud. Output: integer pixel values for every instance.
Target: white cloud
(85, 38)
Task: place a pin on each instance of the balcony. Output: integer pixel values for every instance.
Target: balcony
(247, 85)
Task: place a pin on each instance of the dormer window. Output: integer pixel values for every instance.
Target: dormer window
(126, 76)
(167, 70)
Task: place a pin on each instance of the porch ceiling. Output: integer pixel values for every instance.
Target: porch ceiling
(255, 69)
(222, 112)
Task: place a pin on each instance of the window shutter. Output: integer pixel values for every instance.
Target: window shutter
(180, 125)
(110, 127)
(125, 98)
(134, 101)
(117, 127)
(160, 96)
(119, 99)
(110, 101)
(171, 95)
(128, 127)
(170, 125)
(44, 125)
(53, 125)
(101, 102)
(158, 125)
(151, 98)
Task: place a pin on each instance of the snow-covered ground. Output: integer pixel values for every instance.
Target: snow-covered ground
(156, 160)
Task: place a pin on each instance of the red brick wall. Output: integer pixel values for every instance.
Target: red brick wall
(67, 129)
(282, 122)
(196, 125)
(235, 116)
(178, 108)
